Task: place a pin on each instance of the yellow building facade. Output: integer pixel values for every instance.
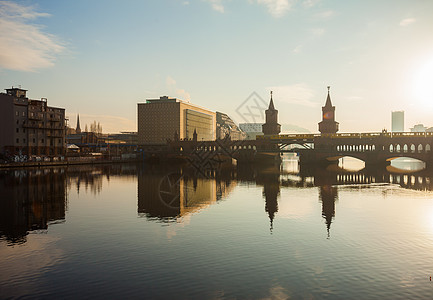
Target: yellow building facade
(159, 119)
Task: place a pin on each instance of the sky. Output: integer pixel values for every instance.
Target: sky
(100, 58)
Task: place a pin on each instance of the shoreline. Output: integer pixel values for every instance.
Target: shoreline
(38, 164)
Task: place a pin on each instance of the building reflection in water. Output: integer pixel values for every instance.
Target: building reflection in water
(328, 195)
(168, 193)
(30, 200)
(91, 177)
(33, 199)
(269, 177)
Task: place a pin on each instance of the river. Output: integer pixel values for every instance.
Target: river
(236, 232)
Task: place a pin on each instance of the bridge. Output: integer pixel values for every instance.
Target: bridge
(376, 148)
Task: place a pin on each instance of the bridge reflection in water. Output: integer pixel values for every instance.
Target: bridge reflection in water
(34, 199)
(167, 194)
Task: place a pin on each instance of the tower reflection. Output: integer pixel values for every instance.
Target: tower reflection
(328, 195)
(269, 177)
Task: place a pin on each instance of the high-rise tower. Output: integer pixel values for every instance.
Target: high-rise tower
(328, 123)
(271, 126)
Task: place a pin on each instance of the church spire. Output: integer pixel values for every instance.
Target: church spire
(328, 99)
(328, 123)
(78, 129)
(271, 104)
(271, 125)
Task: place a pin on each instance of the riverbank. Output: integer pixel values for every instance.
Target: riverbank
(37, 164)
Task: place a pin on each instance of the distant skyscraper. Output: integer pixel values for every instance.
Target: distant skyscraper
(397, 121)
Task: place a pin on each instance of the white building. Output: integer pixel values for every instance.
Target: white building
(251, 129)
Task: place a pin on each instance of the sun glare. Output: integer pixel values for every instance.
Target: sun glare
(423, 84)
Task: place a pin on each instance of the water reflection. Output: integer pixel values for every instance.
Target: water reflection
(328, 195)
(168, 193)
(30, 200)
(33, 199)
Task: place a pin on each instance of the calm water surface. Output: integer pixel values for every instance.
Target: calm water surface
(163, 232)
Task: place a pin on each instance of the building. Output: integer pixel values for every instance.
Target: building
(397, 119)
(30, 127)
(419, 128)
(271, 126)
(328, 123)
(226, 127)
(252, 130)
(166, 118)
(122, 138)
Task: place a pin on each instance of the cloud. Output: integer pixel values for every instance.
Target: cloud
(310, 3)
(217, 5)
(180, 93)
(300, 94)
(298, 49)
(23, 45)
(277, 8)
(407, 21)
(325, 14)
(185, 3)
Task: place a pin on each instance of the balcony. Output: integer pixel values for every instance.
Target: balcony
(54, 118)
(35, 116)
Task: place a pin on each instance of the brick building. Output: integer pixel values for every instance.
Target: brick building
(30, 127)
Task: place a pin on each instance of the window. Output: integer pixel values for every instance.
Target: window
(16, 113)
(18, 140)
(24, 113)
(24, 141)
(34, 141)
(17, 130)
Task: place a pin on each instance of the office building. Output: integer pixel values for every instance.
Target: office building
(252, 130)
(418, 128)
(166, 118)
(225, 126)
(397, 121)
(30, 127)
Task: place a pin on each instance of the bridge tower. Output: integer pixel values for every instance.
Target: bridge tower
(328, 123)
(271, 126)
